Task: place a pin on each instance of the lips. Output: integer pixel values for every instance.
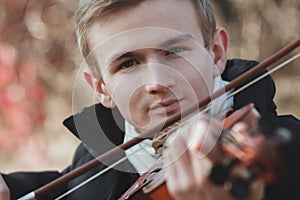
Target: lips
(166, 106)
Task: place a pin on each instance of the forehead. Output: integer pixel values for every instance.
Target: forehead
(147, 25)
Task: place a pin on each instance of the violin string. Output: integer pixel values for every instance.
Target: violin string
(189, 120)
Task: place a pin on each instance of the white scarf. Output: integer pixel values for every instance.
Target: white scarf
(146, 157)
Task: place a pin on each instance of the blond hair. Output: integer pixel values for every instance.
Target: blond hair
(92, 10)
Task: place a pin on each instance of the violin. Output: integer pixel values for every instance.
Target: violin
(249, 152)
(254, 150)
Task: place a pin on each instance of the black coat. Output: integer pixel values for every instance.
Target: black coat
(101, 129)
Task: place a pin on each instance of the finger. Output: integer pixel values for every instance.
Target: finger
(180, 179)
(207, 189)
(241, 127)
(257, 190)
(201, 169)
(205, 140)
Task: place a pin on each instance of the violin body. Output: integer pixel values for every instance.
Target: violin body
(150, 186)
(256, 152)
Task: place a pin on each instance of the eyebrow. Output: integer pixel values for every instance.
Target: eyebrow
(181, 38)
(119, 56)
(178, 39)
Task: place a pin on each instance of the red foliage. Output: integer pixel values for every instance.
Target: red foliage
(22, 98)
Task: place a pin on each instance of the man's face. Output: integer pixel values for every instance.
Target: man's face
(152, 61)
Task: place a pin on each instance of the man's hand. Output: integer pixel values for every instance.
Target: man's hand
(4, 191)
(188, 159)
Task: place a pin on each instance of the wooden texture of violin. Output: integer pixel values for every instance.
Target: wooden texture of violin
(246, 114)
(150, 186)
(253, 151)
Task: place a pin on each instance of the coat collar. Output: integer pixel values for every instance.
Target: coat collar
(97, 127)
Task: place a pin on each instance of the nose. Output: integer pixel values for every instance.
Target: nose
(160, 79)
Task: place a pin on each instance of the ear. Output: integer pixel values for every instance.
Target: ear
(100, 90)
(219, 48)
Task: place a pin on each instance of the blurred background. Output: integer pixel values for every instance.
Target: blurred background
(39, 62)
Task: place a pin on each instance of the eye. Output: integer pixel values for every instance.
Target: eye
(128, 64)
(175, 50)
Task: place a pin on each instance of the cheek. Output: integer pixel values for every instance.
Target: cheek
(203, 77)
(197, 68)
(198, 81)
(129, 98)
(201, 87)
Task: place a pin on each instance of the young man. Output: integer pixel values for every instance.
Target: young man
(150, 60)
